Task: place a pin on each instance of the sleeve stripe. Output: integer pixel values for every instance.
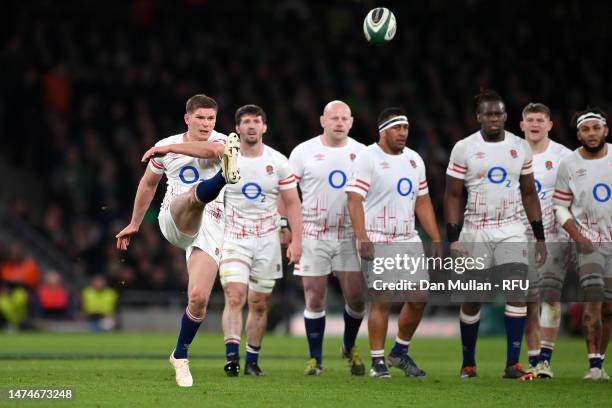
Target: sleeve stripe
(527, 167)
(459, 166)
(358, 186)
(423, 188)
(457, 170)
(527, 163)
(362, 182)
(156, 164)
(565, 193)
(298, 178)
(221, 141)
(556, 197)
(288, 180)
(423, 182)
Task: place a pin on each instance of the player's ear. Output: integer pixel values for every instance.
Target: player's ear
(186, 119)
(322, 121)
(265, 128)
(478, 117)
(549, 126)
(606, 130)
(505, 116)
(522, 125)
(237, 129)
(350, 124)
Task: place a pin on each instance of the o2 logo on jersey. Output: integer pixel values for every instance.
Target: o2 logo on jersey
(252, 191)
(404, 187)
(336, 179)
(189, 175)
(602, 192)
(498, 175)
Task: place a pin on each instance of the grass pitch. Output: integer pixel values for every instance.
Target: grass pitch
(119, 369)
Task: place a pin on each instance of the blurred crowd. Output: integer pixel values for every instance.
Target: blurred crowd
(88, 86)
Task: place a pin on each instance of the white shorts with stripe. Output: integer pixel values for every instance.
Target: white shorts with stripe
(254, 261)
(209, 238)
(320, 258)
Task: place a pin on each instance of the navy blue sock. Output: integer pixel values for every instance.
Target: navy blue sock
(514, 319)
(232, 348)
(595, 361)
(546, 354)
(469, 335)
(315, 328)
(351, 328)
(207, 190)
(189, 328)
(252, 354)
(400, 347)
(534, 360)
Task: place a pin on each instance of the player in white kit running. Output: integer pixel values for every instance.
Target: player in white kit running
(322, 166)
(496, 168)
(251, 255)
(197, 164)
(541, 330)
(583, 206)
(387, 189)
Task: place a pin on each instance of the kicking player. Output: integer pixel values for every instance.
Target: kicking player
(191, 215)
(251, 254)
(496, 168)
(387, 188)
(322, 166)
(541, 330)
(583, 206)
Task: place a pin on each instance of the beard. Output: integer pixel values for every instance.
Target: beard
(595, 149)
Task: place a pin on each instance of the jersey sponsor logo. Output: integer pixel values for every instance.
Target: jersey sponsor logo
(189, 175)
(413, 164)
(497, 175)
(602, 192)
(269, 169)
(513, 153)
(337, 179)
(549, 165)
(252, 191)
(404, 186)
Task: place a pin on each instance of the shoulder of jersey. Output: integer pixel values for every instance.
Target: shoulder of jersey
(312, 142)
(216, 136)
(170, 140)
(357, 144)
(560, 149)
(274, 153)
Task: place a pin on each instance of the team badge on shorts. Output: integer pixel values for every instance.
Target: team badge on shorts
(269, 169)
(548, 165)
(513, 153)
(413, 164)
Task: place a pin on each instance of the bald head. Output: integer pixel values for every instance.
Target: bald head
(336, 122)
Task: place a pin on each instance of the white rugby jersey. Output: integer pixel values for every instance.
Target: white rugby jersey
(491, 172)
(250, 205)
(183, 172)
(389, 185)
(585, 186)
(322, 173)
(545, 167)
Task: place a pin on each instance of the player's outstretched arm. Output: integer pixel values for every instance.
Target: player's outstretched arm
(357, 214)
(425, 213)
(293, 206)
(202, 150)
(144, 195)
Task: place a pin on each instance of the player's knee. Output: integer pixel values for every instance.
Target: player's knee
(356, 303)
(258, 306)
(315, 303)
(198, 300)
(550, 316)
(235, 299)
